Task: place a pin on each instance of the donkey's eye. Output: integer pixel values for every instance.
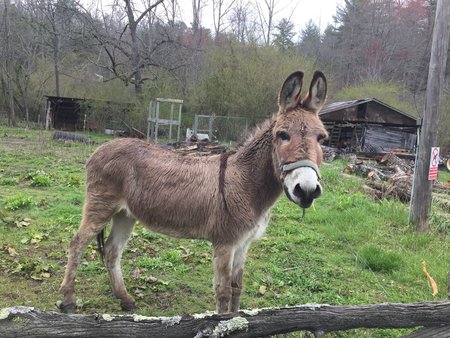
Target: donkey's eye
(284, 136)
(321, 137)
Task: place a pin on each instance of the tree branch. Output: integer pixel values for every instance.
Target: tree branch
(144, 13)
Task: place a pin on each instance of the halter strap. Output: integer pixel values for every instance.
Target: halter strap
(300, 164)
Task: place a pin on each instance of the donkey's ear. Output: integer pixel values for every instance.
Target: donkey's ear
(290, 92)
(317, 92)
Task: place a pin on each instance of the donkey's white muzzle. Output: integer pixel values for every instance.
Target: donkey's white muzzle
(302, 186)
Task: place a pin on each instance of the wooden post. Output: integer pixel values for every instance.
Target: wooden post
(171, 122)
(179, 120)
(421, 194)
(48, 118)
(157, 121)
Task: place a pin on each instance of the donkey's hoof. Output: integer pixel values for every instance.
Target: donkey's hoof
(67, 308)
(128, 307)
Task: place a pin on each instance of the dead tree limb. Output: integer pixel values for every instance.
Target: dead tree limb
(28, 322)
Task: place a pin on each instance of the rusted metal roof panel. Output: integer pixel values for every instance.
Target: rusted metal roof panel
(366, 111)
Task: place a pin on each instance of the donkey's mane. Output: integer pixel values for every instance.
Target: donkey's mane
(254, 134)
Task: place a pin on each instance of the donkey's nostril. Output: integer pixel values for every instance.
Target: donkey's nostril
(306, 197)
(316, 193)
(299, 192)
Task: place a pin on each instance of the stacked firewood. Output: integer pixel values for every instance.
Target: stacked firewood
(201, 148)
(391, 177)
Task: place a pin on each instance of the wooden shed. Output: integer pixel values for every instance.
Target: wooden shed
(370, 126)
(65, 113)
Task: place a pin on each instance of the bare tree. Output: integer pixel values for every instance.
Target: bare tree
(380, 41)
(135, 57)
(266, 15)
(53, 24)
(221, 8)
(7, 69)
(197, 8)
(134, 40)
(239, 18)
(172, 9)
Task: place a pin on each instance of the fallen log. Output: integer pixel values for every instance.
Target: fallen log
(28, 322)
(364, 171)
(392, 160)
(65, 136)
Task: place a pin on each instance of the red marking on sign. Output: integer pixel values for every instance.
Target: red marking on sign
(434, 163)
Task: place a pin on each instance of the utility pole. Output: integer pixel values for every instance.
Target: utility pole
(422, 187)
(12, 113)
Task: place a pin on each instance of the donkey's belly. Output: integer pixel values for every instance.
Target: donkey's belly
(172, 221)
(176, 231)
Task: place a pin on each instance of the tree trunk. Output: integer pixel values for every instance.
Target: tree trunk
(56, 46)
(9, 68)
(422, 187)
(136, 61)
(28, 322)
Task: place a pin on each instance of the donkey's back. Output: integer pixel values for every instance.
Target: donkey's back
(162, 189)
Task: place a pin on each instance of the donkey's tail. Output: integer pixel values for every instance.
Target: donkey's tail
(101, 244)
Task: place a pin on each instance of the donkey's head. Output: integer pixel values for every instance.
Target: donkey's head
(297, 135)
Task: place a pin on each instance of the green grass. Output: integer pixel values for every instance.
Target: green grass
(377, 259)
(444, 175)
(348, 249)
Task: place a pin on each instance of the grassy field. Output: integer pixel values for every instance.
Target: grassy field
(348, 250)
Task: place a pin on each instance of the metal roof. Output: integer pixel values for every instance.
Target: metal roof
(335, 106)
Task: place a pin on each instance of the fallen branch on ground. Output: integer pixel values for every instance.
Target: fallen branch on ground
(29, 322)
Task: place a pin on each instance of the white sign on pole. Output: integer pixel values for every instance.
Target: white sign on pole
(434, 163)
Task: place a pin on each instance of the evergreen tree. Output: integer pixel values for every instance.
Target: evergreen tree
(310, 40)
(283, 35)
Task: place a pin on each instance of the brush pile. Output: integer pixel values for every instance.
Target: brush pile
(392, 177)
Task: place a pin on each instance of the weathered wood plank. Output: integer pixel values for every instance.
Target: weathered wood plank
(422, 187)
(31, 323)
(431, 332)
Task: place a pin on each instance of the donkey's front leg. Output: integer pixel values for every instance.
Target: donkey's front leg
(240, 255)
(223, 261)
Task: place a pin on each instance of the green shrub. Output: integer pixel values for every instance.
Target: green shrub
(8, 181)
(73, 180)
(18, 201)
(376, 259)
(39, 178)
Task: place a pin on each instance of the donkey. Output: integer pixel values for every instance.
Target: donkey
(221, 198)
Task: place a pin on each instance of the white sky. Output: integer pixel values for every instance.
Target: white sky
(319, 11)
(299, 11)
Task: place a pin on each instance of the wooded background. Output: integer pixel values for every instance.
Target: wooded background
(132, 51)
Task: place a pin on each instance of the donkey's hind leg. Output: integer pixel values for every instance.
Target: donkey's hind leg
(122, 226)
(92, 223)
